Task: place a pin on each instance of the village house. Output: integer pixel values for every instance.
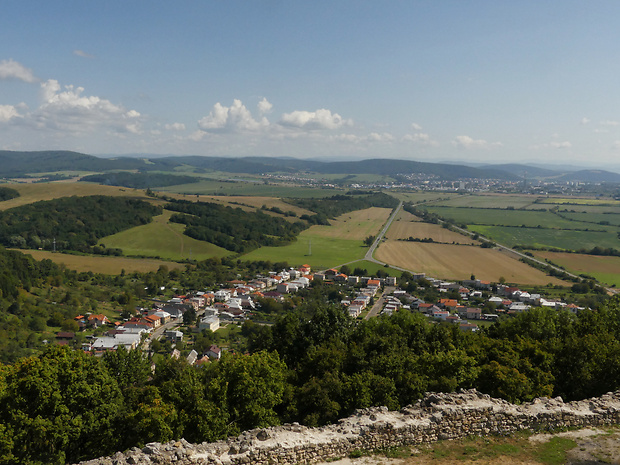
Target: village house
(214, 352)
(154, 320)
(173, 336)
(473, 314)
(129, 341)
(95, 321)
(211, 322)
(468, 327)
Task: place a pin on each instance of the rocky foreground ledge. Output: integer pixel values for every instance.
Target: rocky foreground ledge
(437, 416)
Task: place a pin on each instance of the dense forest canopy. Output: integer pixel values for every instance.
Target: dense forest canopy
(74, 223)
(233, 228)
(7, 193)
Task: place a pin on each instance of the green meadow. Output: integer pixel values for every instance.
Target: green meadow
(162, 239)
(503, 217)
(563, 239)
(326, 252)
(488, 201)
(598, 218)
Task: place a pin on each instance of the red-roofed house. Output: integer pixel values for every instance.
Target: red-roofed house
(97, 320)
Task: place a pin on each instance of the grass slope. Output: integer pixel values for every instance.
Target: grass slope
(162, 239)
(342, 242)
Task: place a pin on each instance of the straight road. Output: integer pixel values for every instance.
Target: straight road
(379, 238)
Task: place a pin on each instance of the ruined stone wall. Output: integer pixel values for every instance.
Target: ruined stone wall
(437, 416)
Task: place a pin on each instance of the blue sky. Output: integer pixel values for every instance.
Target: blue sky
(475, 81)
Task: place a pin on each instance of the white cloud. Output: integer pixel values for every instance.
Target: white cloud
(561, 145)
(264, 106)
(380, 137)
(372, 137)
(585, 120)
(175, 127)
(420, 138)
(610, 123)
(83, 54)
(347, 138)
(319, 119)
(69, 110)
(7, 113)
(235, 118)
(12, 70)
(467, 142)
(416, 127)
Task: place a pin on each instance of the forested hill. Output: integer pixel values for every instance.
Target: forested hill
(74, 223)
(14, 164)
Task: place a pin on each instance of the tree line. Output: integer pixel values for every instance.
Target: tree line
(7, 193)
(72, 223)
(234, 229)
(336, 205)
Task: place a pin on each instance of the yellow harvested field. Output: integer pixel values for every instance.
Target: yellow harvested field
(105, 265)
(406, 216)
(34, 192)
(357, 225)
(459, 262)
(405, 229)
(582, 263)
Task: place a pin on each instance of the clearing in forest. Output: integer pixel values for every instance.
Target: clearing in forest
(460, 262)
(160, 238)
(327, 246)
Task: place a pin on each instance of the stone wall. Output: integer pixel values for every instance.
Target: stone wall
(437, 416)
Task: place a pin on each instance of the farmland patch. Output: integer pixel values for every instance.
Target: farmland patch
(418, 230)
(460, 262)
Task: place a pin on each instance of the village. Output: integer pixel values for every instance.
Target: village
(468, 304)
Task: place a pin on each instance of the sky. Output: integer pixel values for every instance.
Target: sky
(493, 81)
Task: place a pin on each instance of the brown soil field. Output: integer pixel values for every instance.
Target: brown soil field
(105, 265)
(403, 229)
(459, 262)
(34, 192)
(357, 225)
(582, 263)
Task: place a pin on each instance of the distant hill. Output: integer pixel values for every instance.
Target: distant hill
(591, 176)
(14, 164)
(257, 165)
(529, 170)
